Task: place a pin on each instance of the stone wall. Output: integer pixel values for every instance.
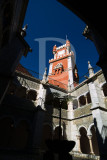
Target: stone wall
(81, 111)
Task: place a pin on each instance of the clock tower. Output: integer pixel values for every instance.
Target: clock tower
(62, 69)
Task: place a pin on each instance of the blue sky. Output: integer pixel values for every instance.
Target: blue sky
(49, 18)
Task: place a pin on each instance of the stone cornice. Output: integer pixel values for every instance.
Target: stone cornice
(61, 57)
(87, 80)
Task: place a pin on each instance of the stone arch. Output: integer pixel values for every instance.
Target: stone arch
(84, 141)
(92, 132)
(88, 97)
(82, 126)
(104, 88)
(46, 135)
(82, 100)
(94, 141)
(32, 95)
(89, 133)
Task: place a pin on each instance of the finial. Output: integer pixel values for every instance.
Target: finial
(90, 68)
(44, 80)
(23, 32)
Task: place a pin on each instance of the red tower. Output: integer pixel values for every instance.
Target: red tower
(62, 69)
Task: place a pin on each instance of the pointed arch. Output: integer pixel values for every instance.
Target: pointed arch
(84, 141)
(92, 132)
(89, 133)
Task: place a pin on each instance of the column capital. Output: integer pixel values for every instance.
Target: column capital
(78, 136)
(89, 137)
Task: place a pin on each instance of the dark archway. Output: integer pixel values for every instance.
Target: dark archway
(104, 87)
(88, 98)
(32, 94)
(82, 100)
(84, 141)
(94, 141)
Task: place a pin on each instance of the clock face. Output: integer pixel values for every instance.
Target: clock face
(60, 53)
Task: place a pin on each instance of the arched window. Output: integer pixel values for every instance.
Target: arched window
(55, 71)
(64, 104)
(75, 104)
(59, 71)
(104, 87)
(84, 141)
(88, 98)
(82, 100)
(32, 94)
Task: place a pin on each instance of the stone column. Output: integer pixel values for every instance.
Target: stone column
(90, 142)
(70, 110)
(41, 95)
(78, 142)
(37, 129)
(99, 113)
(78, 103)
(86, 99)
(39, 116)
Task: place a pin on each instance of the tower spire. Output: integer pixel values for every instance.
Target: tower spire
(90, 69)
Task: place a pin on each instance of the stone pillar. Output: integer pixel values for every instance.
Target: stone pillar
(99, 113)
(41, 96)
(90, 142)
(78, 103)
(78, 142)
(70, 110)
(90, 68)
(39, 115)
(86, 99)
(37, 129)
